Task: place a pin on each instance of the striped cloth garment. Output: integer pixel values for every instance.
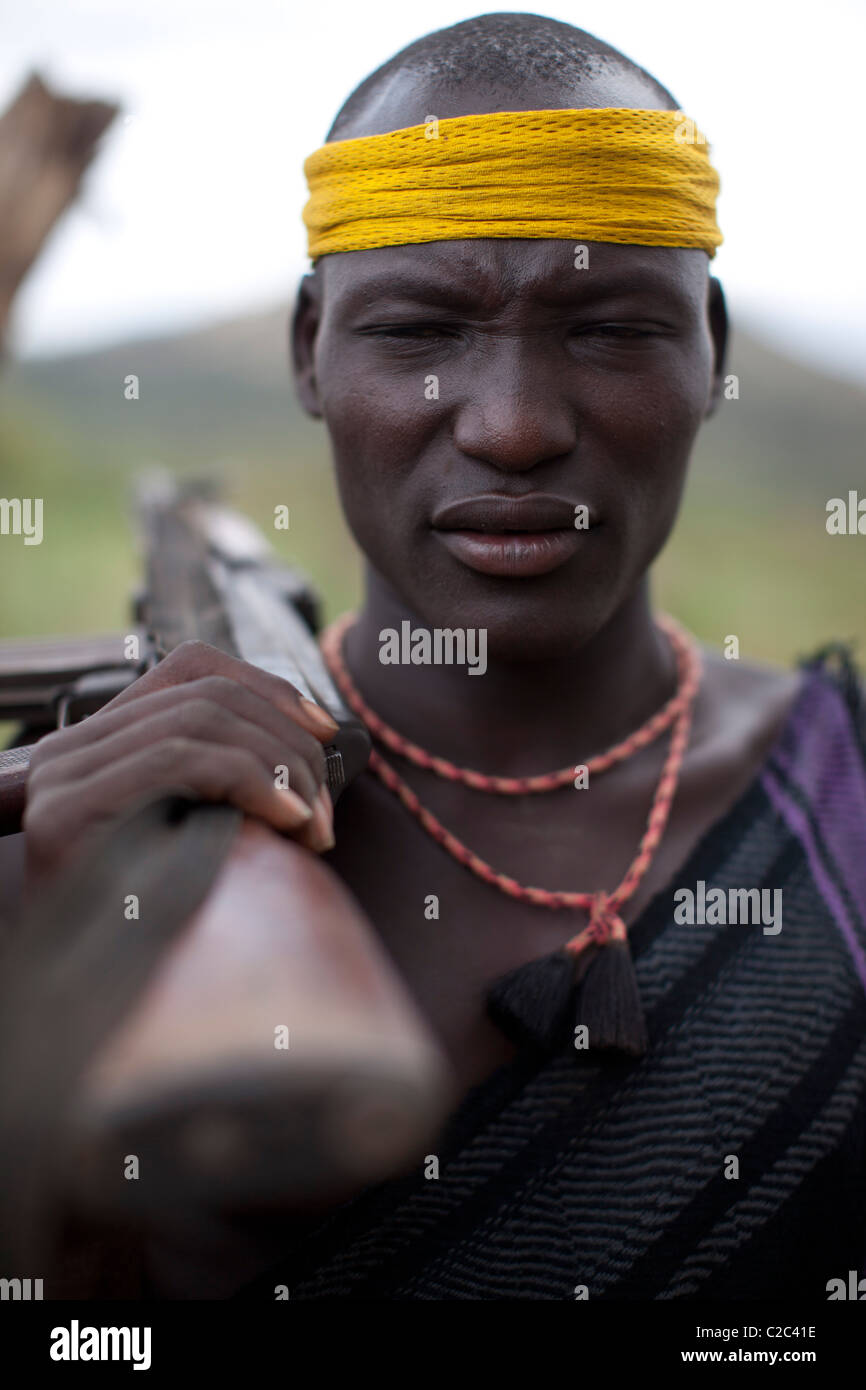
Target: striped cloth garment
(585, 1175)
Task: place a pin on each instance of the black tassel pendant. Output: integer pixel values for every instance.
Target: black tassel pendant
(540, 1004)
(534, 1004)
(609, 1003)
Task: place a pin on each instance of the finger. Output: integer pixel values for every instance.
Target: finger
(193, 660)
(245, 702)
(206, 771)
(293, 754)
(319, 833)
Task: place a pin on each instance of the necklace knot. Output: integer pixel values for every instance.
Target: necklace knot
(605, 923)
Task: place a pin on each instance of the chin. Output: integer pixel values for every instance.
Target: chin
(524, 621)
(551, 640)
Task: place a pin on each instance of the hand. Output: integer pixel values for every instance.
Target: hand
(201, 721)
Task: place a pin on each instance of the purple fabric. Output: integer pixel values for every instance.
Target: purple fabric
(817, 749)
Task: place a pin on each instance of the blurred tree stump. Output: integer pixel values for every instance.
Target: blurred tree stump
(46, 143)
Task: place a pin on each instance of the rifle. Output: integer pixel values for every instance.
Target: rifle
(211, 577)
(184, 1077)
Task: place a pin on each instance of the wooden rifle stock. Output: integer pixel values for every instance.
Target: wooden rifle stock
(275, 1058)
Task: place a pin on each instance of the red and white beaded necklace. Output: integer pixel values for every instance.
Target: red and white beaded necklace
(531, 1006)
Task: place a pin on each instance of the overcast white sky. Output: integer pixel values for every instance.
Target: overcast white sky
(192, 211)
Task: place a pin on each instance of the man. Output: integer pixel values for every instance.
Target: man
(511, 419)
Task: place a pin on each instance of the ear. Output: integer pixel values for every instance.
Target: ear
(717, 313)
(302, 343)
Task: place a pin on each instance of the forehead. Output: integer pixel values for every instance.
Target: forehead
(490, 272)
(408, 98)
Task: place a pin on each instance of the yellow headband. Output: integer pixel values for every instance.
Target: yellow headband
(637, 177)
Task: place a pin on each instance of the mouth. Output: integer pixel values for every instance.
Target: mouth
(512, 537)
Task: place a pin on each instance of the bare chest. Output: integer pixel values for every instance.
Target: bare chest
(450, 932)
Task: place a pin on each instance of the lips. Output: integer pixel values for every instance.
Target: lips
(511, 537)
(536, 511)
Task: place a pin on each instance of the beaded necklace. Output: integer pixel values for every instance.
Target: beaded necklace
(534, 1003)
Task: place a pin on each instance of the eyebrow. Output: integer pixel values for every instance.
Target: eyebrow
(435, 292)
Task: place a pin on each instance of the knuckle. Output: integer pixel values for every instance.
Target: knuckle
(172, 754)
(238, 762)
(235, 770)
(192, 656)
(200, 716)
(46, 749)
(191, 646)
(218, 689)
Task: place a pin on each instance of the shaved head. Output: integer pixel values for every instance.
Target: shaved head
(519, 61)
(495, 62)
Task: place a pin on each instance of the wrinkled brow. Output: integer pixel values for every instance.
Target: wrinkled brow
(554, 289)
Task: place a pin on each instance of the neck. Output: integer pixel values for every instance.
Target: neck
(519, 717)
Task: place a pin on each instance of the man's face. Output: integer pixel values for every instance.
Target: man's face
(479, 372)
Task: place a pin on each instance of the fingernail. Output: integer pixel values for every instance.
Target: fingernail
(296, 805)
(323, 822)
(320, 717)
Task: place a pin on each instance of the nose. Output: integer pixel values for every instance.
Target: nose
(513, 415)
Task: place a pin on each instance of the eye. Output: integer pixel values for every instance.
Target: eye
(421, 332)
(625, 331)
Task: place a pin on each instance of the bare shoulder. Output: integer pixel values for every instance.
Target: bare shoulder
(743, 705)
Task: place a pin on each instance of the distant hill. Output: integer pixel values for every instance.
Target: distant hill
(792, 425)
(225, 386)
